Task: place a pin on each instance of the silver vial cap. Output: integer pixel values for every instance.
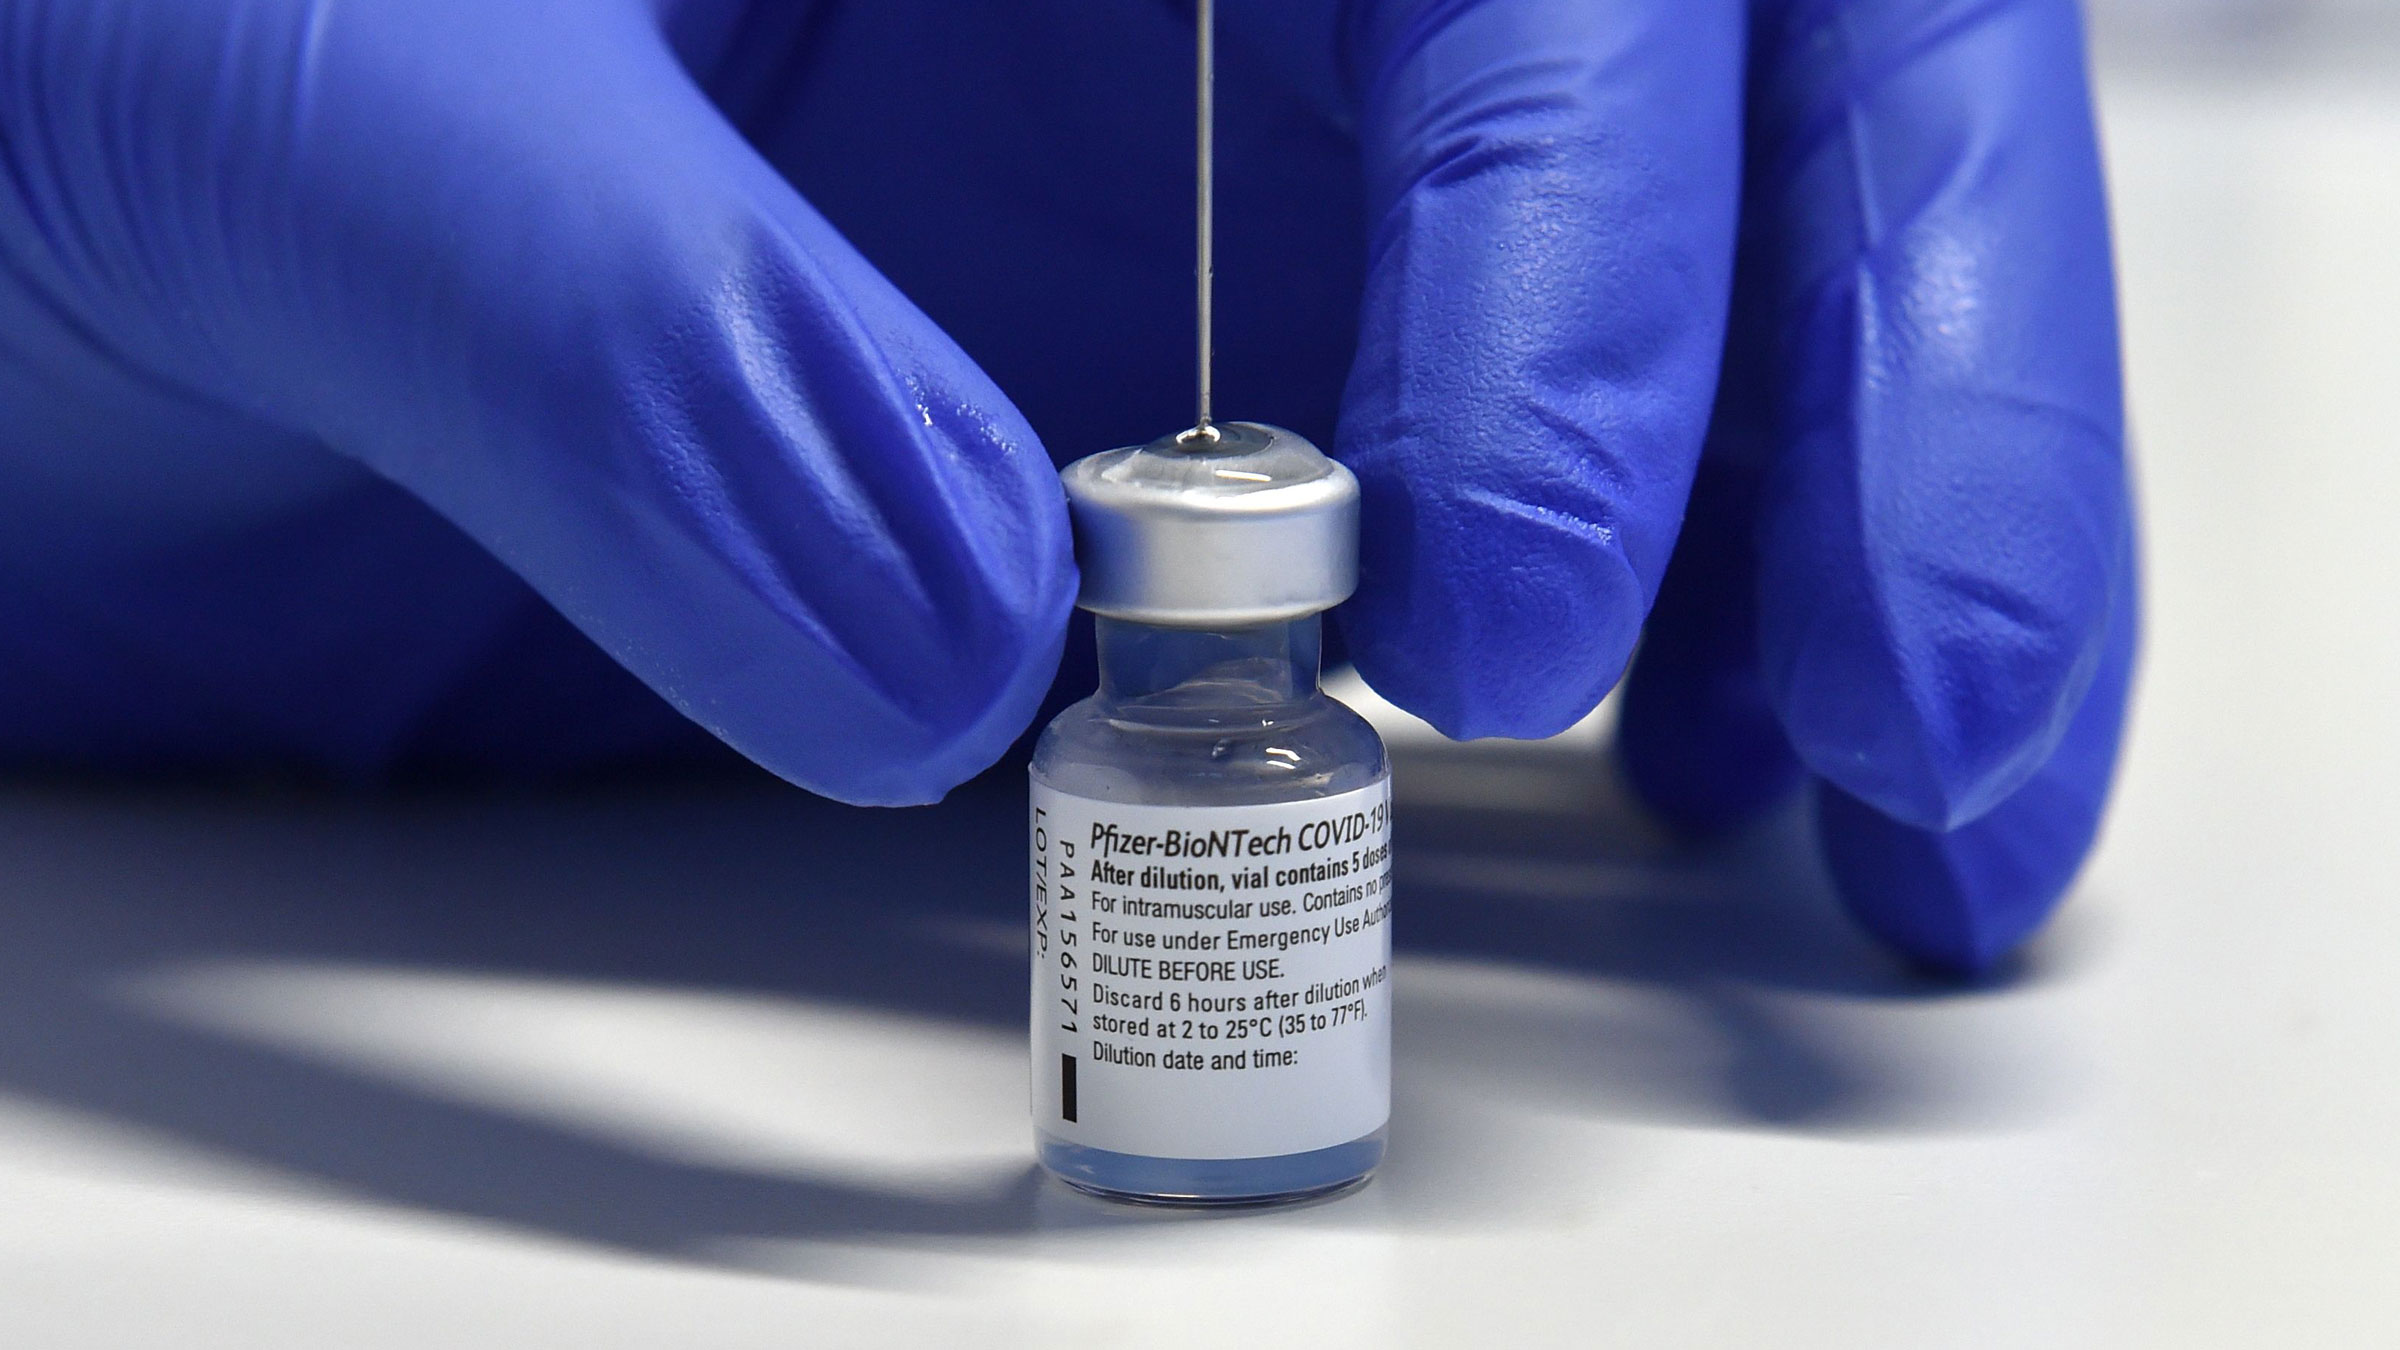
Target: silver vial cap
(1256, 526)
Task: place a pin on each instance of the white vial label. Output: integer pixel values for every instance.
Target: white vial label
(1212, 981)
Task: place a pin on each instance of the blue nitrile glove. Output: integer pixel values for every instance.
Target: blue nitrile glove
(275, 275)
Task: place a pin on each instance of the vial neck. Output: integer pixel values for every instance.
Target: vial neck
(1271, 663)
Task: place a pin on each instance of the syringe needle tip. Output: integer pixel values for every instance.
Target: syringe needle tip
(1205, 264)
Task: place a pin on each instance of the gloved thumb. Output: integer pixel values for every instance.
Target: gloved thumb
(510, 257)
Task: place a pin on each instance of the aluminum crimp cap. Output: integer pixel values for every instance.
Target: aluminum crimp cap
(1255, 526)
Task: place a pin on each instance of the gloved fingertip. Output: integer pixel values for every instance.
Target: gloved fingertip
(1928, 670)
(1516, 626)
(1959, 901)
(1955, 903)
(960, 750)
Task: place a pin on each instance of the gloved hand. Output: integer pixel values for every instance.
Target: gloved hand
(278, 275)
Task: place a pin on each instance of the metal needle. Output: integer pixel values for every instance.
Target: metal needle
(1206, 268)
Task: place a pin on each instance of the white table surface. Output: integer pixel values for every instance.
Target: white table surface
(742, 1069)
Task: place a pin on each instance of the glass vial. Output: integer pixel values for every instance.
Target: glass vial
(1211, 894)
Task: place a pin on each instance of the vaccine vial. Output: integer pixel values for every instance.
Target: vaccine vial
(1211, 855)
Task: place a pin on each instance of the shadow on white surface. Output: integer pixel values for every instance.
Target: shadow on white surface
(749, 1028)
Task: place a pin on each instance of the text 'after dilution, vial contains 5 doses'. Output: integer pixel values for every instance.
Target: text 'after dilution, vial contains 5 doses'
(1211, 860)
